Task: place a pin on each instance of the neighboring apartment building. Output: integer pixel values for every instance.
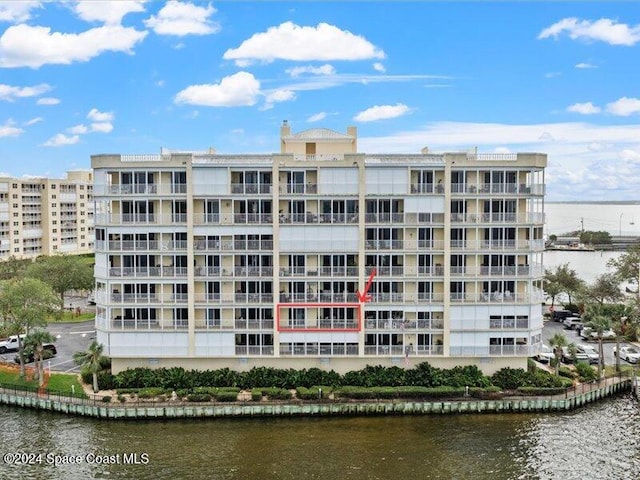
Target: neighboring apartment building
(44, 216)
(206, 260)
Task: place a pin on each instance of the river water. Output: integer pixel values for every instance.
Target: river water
(601, 441)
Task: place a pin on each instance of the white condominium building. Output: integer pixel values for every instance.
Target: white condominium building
(45, 216)
(206, 260)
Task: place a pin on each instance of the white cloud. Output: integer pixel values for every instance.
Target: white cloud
(48, 101)
(239, 89)
(277, 96)
(98, 116)
(33, 46)
(586, 108)
(238, 131)
(60, 140)
(160, 83)
(109, 12)
(9, 93)
(317, 117)
(10, 130)
(33, 121)
(17, 11)
(378, 67)
(382, 112)
(78, 129)
(325, 69)
(102, 127)
(630, 155)
(585, 65)
(552, 74)
(624, 107)
(289, 41)
(183, 18)
(604, 30)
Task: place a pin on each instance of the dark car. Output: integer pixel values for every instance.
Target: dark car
(560, 315)
(48, 352)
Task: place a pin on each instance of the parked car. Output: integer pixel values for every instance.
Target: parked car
(568, 357)
(570, 323)
(589, 333)
(560, 315)
(630, 354)
(28, 355)
(545, 355)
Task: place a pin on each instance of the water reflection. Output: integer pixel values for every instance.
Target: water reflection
(598, 442)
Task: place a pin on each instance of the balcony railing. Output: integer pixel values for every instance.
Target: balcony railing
(315, 349)
(265, 324)
(534, 245)
(250, 350)
(241, 271)
(501, 188)
(384, 244)
(252, 218)
(202, 271)
(217, 245)
(403, 324)
(493, 350)
(322, 297)
(384, 217)
(206, 218)
(496, 297)
(530, 217)
(164, 271)
(313, 218)
(322, 324)
(250, 188)
(298, 189)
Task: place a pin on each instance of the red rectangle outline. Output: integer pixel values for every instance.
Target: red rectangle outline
(358, 306)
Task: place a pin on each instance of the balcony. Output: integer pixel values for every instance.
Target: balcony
(248, 298)
(206, 219)
(497, 298)
(315, 349)
(497, 245)
(394, 271)
(250, 189)
(145, 272)
(251, 350)
(424, 218)
(494, 350)
(299, 189)
(243, 218)
(312, 218)
(498, 218)
(403, 324)
(385, 244)
(322, 297)
(201, 271)
(242, 271)
(384, 217)
(242, 324)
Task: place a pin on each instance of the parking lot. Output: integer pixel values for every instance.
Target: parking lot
(551, 328)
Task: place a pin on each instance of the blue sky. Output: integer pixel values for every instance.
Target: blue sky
(81, 78)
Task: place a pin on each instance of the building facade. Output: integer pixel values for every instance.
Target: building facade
(205, 260)
(44, 216)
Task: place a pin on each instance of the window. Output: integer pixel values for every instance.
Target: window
(53, 196)
(53, 186)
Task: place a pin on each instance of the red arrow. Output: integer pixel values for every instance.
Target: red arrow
(365, 297)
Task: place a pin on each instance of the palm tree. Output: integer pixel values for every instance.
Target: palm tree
(600, 324)
(90, 360)
(556, 343)
(35, 340)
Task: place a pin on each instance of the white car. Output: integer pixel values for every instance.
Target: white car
(630, 354)
(545, 355)
(590, 334)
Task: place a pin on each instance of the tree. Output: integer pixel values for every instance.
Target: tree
(568, 280)
(551, 287)
(556, 343)
(627, 266)
(91, 360)
(599, 237)
(600, 324)
(25, 302)
(63, 273)
(35, 340)
(605, 289)
(13, 267)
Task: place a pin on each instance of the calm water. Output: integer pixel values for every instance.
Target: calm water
(598, 442)
(614, 218)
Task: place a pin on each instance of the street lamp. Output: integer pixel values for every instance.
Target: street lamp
(620, 226)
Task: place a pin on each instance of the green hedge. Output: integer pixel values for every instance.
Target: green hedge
(541, 390)
(313, 393)
(199, 397)
(398, 392)
(276, 393)
(256, 394)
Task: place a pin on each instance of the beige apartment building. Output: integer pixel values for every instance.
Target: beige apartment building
(207, 260)
(45, 216)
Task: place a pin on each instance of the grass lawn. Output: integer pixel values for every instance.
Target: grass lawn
(62, 383)
(58, 382)
(70, 317)
(610, 370)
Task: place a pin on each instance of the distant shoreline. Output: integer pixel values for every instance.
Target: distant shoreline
(601, 202)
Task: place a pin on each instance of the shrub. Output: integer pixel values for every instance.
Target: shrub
(566, 372)
(541, 390)
(276, 393)
(124, 391)
(510, 378)
(586, 372)
(488, 393)
(106, 399)
(256, 394)
(122, 398)
(226, 396)
(150, 392)
(199, 397)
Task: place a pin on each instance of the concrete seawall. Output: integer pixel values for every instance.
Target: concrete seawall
(260, 409)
